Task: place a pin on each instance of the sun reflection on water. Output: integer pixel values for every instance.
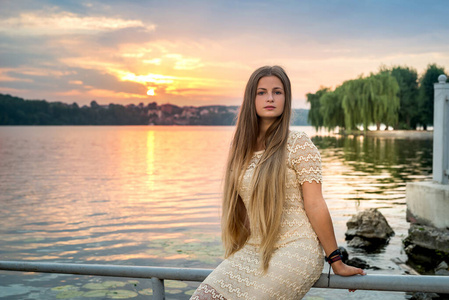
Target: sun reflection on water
(150, 160)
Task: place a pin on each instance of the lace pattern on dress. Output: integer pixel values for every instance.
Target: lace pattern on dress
(304, 158)
(206, 292)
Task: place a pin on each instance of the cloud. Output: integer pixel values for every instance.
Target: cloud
(77, 81)
(153, 61)
(21, 51)
(182, 63)
(40, 23)
(6, 77)
(96, 79)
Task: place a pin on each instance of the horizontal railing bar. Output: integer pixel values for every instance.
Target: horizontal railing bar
(398, 283)
(404, 283)
(107, 270)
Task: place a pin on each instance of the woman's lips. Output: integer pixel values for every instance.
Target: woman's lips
(269, 107)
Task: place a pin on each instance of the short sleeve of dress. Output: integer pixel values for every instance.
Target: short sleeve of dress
(304, 158)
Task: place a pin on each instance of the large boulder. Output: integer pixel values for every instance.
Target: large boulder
(428, 237)
(426, 247)
(368, 229)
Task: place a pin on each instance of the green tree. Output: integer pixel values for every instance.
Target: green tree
(355, 107)
(407, 79)
(370, 100)
(426, 94)
(331, 109)
(315, 118)
(382, 91)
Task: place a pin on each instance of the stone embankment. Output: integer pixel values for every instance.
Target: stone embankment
(427, 248)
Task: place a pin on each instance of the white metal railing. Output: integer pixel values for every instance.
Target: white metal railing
(404, 283)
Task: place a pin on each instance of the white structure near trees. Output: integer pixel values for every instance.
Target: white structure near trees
(441, 132)
(428, 202)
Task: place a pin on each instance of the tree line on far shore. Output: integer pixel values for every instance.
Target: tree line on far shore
(394, 97)
(18, 111)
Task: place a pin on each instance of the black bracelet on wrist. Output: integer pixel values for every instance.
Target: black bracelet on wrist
(333, 257)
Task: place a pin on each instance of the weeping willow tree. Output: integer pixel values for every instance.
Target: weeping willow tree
(315, 117)
(363, 101)
(355, 105)
(370, 100)
(383, 92)
(331, 109)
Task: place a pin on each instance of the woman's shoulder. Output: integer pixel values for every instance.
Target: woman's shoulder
(299, 140)
(297, 136)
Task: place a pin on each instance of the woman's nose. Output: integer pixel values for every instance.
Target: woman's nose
(270, 97)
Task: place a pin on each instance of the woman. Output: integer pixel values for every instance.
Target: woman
(275, 222)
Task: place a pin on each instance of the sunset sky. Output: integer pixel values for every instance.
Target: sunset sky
(203, 52)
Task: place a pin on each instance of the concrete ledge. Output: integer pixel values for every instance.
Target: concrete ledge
(428, 204)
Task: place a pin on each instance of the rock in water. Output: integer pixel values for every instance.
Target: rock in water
(344, 254)
(426, 247)
(442, 269)
(359, 242)
(355, 261)
(368, 228)
(358, 263)
(428, 237)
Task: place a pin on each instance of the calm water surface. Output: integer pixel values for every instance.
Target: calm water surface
(151, 196)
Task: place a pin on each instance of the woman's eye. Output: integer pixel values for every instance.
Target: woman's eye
(278, 93)
(260, 93)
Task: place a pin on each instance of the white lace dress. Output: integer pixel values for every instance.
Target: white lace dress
(298, 259)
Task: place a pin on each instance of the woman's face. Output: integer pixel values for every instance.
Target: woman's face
(270, 98)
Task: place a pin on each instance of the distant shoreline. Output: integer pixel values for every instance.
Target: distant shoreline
(18, 111)
(403, 134)
(400, 134)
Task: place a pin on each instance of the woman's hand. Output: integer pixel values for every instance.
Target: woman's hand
(343, 269)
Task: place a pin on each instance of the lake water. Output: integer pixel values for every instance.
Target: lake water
(150, 196)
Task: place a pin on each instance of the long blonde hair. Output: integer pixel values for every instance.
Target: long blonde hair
(268, 183)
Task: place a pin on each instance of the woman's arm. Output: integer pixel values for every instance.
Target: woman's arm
(321, 221)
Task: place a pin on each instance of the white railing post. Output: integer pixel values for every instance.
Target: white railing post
(158, 288)
(441, 132)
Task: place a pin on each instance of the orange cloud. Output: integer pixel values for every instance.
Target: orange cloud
(182, 63)
(154, 61)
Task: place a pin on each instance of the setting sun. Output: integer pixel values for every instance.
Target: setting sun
(150, 92)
